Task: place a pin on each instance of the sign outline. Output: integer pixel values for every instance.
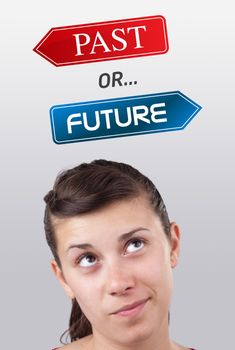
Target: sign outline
(177, 92)
(146, 18)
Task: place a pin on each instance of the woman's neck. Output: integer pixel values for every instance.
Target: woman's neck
(158, 340)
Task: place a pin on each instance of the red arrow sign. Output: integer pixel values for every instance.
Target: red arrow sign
(103, 41)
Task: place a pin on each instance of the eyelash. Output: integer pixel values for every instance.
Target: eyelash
(135, 239)
(78, 261)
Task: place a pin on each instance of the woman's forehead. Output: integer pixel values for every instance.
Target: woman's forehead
(109, 222)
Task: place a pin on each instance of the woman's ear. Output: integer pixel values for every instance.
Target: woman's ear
(175, 244)
(59, 275)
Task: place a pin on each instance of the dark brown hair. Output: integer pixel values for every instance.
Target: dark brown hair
(86, 188)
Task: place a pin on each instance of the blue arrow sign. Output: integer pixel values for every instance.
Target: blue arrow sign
(126, 116)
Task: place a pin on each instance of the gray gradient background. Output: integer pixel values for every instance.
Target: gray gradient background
(193, 168)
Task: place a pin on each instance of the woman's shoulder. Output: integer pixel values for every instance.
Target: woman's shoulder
(84, 341)
(77, 344)
(60, 348)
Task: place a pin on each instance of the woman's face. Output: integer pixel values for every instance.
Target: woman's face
(117, 262)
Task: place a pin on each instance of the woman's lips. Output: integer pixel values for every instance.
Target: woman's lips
(131, 309)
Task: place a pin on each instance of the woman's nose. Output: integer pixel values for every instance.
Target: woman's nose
(120, 280)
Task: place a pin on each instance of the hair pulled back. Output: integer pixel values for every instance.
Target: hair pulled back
(86, 188)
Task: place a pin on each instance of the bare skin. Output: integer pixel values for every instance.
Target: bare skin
(113, 258)
(86, 343)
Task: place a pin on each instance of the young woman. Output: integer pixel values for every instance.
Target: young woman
(114, 250)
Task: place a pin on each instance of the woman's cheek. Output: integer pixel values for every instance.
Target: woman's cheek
(158, 271)
(83, 286)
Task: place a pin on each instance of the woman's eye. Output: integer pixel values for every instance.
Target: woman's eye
(134, 245)
(87, 260)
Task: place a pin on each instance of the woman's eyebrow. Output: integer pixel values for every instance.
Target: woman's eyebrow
(80, 246)
(129, 234)
(121, 238)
